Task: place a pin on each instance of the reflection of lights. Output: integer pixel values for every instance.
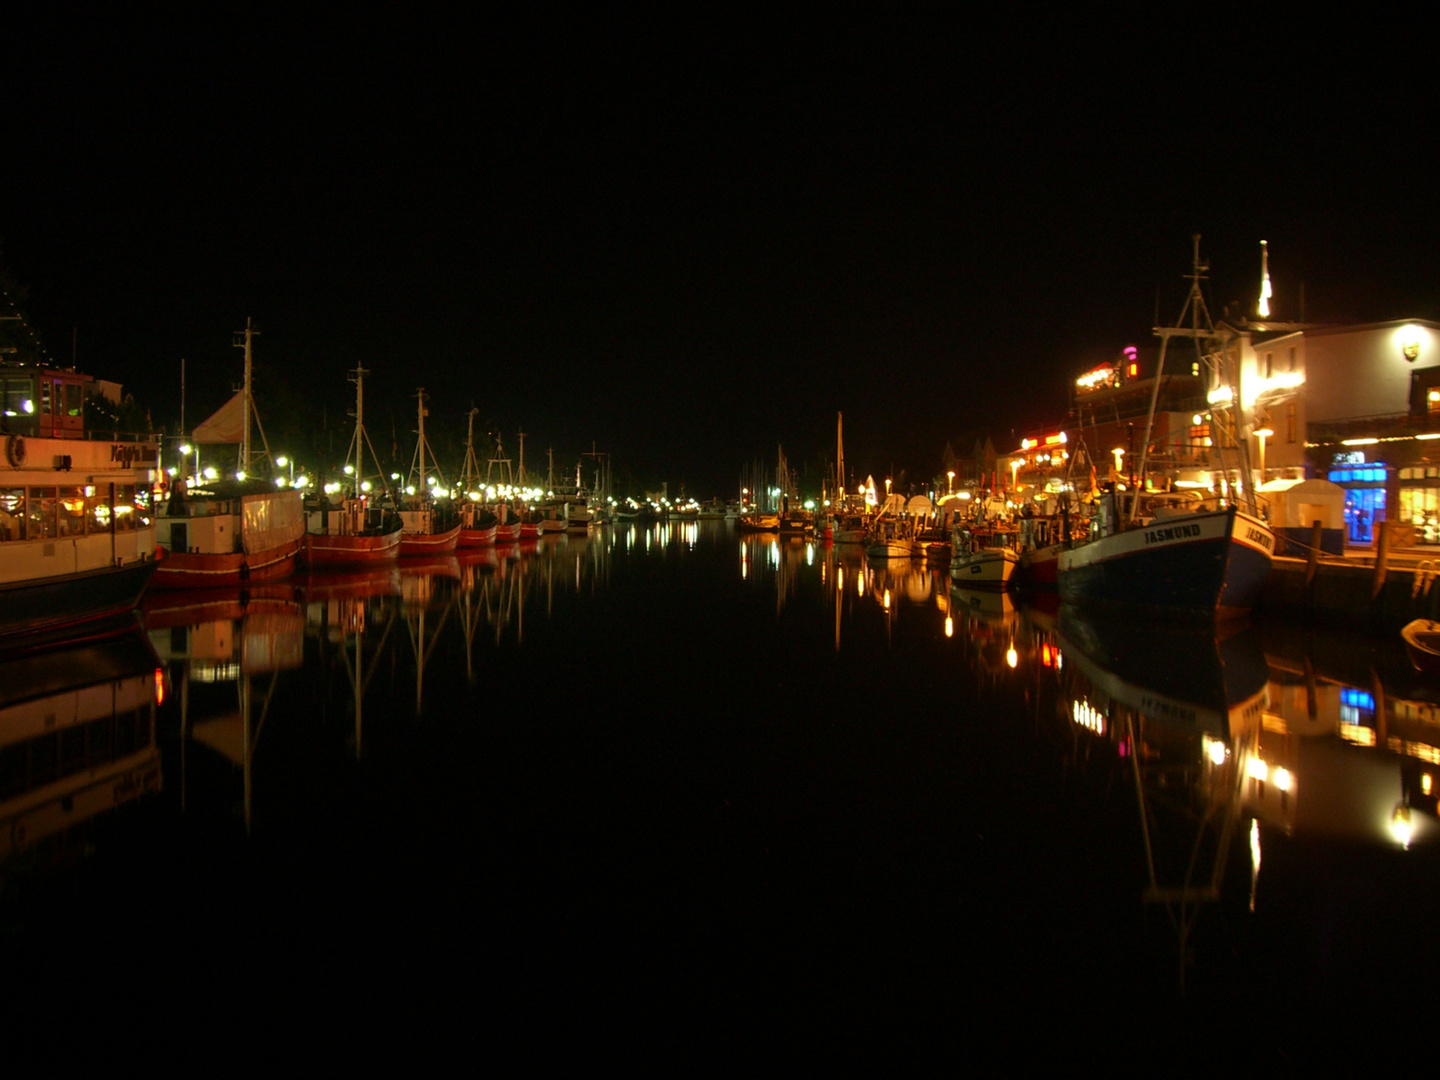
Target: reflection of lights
(1087, 716)
(159, 686)
(949, 626)
(1400, 825)
(1049, 655)
(1254, 848)
(1011, 656)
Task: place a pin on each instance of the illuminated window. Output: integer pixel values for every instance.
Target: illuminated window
(1432, 403)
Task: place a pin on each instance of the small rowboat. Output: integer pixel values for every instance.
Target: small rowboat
(1422, 642)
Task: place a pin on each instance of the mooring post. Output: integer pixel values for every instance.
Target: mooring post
(1382, 556)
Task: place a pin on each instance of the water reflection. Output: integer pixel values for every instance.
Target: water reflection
(211, 642)
(908, 769)
(77, 741)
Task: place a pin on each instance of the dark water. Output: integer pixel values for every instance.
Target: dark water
(663, 795)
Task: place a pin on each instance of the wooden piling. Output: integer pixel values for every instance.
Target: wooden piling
(1312, 557)
(1382, 557)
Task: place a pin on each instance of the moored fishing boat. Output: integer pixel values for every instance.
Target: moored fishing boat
(982, 558)
(892, 538)
(1208, 563)
(1211, 563)
(222, 532)
(77, 534)
(230, 532)
(357, 533)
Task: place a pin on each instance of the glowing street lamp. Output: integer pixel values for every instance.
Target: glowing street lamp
(951, 475)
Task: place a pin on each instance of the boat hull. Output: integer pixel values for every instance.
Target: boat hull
(1210, 565)
(1422, 645)
(327, 549)
(1038, 569)
(991, 567)
(442, 543)
(188, 570)
(43, 611)
(477, 538)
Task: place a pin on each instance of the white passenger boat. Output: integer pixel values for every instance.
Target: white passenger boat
(77, 532)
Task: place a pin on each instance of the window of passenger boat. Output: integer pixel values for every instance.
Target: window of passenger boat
(98, 508)
(126, 517)
(72, 511)
(12, 513)
(41, 517)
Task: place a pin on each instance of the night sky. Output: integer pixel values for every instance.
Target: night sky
(688, 240)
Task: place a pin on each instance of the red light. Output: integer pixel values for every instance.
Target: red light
(1134, 370)
(159, 686)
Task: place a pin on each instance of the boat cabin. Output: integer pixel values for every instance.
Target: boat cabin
(42, 402)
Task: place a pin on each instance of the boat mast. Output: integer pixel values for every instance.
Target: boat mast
(470, 474)
(521, 478)
(417, 464)
(1210, 350)
(361, 439)
(840, 459)
(243, 341)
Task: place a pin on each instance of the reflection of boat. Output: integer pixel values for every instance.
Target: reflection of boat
(76, 534)
(990, 605)
(1422, 644)
(1179, 676)
(77, 737)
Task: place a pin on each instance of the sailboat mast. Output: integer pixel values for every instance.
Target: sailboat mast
(359, 443)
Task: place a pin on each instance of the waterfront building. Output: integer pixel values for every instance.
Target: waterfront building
(1358, 405)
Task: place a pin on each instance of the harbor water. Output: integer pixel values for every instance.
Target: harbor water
(671, 793)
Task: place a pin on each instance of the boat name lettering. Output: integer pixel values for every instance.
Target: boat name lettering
(1255, 536)
(126, 455)
(1174, 532)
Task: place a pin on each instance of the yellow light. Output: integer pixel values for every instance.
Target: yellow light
(887, 599)
(1426, 783)
(950, 631)
(1400, 825)
(1011, 656)
(1257, 770)
(159, 686)
(1282, 779)
(1358, 442)
(1215, 751)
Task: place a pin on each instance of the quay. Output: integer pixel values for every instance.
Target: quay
(1375, 587)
